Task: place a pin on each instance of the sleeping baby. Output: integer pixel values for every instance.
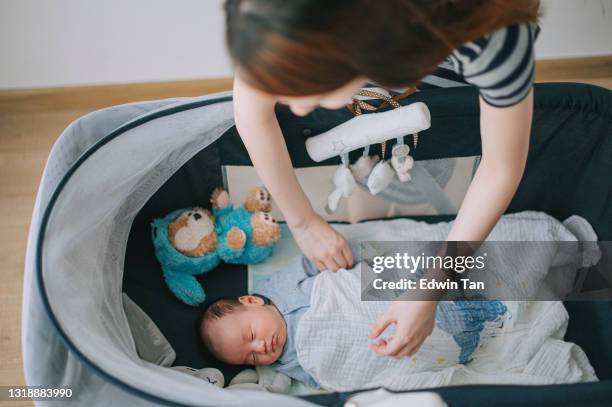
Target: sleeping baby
(314, 327)
(260, 329)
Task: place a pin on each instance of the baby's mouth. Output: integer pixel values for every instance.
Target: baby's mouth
(273, 344)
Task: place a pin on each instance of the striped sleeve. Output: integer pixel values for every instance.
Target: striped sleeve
(501, 65)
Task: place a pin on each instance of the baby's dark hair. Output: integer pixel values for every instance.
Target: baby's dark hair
(219, 308)
(216, 310)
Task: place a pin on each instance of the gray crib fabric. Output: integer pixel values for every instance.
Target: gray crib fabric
(151, 344)
(82, 262)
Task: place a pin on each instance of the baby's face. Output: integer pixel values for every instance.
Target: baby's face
(253, 335)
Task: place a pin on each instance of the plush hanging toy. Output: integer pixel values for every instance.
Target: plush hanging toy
(344, 184)
(190, 242)
(401, 162)
(361, 132)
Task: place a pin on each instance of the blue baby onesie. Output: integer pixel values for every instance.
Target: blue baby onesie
(290, 291)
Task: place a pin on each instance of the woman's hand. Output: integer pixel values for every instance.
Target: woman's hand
(322, 244)
(414, 322)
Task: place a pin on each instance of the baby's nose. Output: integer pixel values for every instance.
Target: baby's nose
(260, 347)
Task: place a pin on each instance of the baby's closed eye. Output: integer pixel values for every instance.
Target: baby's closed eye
(253, 353)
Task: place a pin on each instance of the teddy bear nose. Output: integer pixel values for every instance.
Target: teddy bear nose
(197, 216)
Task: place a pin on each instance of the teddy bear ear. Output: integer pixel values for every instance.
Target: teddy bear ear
(214, 193)
(219, 198)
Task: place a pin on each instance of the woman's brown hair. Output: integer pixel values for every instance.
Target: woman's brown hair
(306, 47)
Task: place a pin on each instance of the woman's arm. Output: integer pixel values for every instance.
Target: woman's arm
(261, 134)
(505, 143)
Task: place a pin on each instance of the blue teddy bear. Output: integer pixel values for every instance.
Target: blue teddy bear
(246, 234)
(185, 244)
(190, 242)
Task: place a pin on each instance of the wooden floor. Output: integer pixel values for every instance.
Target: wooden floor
(30, 122)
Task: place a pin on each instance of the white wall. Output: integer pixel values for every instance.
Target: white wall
(74, 42)
(70, 42)
(575, 28)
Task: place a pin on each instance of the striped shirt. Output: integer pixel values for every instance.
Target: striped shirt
(500, 64)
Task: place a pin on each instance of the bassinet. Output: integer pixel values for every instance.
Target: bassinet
(114, 170)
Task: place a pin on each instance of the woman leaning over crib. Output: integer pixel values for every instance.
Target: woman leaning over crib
(309, 53)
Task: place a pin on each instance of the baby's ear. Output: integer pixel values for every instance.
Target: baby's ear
(251, 300)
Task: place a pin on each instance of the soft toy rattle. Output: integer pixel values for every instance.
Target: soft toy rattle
(361, 132)
(190, 242)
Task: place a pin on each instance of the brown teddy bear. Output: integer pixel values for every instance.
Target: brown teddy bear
(193, 232)
(189, 242)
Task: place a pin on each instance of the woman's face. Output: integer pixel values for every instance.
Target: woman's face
(302, 105)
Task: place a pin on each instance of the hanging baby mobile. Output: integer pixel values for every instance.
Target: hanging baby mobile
(365, 130)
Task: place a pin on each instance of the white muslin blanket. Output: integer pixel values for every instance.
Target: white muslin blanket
(515, 342)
